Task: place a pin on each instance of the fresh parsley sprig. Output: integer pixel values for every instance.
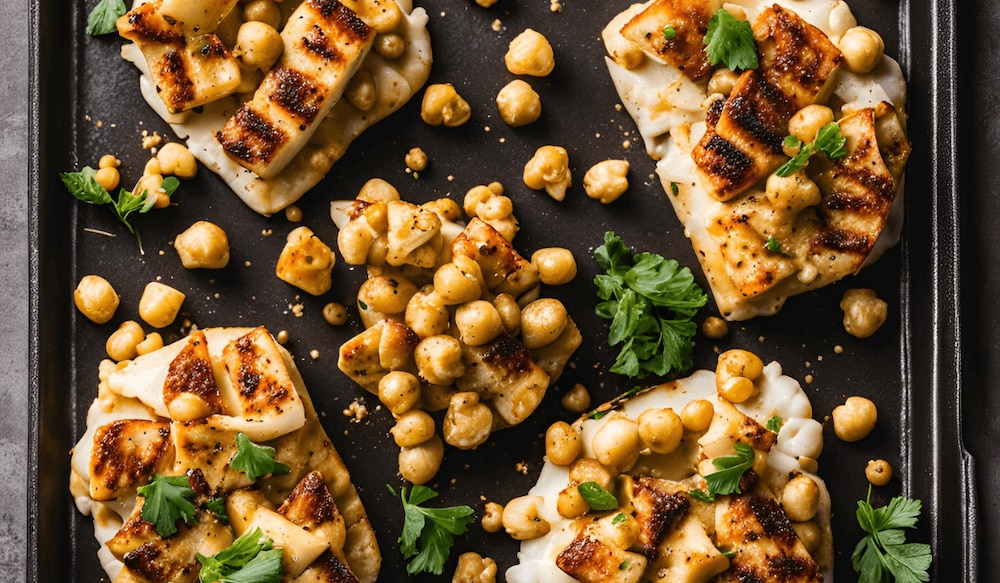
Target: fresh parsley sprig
(730, 41)
(250, 559)
(884, 553)
(727, 479)
(650, 301)
(255, 460)
(828, 140)
(168, 499)
(774, 424)
(429, 533)
(596, 496)
(103, 16)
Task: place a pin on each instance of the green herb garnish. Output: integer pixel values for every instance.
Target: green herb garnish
(217, 506)
(103, 16)
(730, 41)
(727, 479)
(167, 500)
(619, 518)
(674, 189)
(255, 460)
(828, 140)
(774, 246)
(774, 424)
(884, 553)
(429, 533)
(597, 497)
(250, 559)
(650, 302)
(669, 32)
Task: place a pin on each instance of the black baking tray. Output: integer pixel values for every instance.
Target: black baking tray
(85, 103)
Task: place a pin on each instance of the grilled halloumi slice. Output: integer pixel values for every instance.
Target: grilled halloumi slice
(205, 445)
(503, 373)
(324, 45)
(188, 69)
(590, 559)
(126, 453)
(504, 269)
(658, 506)
(689, 19)
(189, 389)
(743, 143)
(369, 356)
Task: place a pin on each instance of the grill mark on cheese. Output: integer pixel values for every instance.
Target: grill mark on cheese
(250, 137)
(191, 372)
(689, 18)
(126, 453)
(256, 388)
(509, 354)
(329, 569)
(173, 73)
(760, 113)
(657, 511)
(147, 24)
(295, 93)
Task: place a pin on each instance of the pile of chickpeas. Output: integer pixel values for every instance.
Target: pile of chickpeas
(450, 306)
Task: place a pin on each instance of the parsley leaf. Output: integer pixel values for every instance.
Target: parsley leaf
(727, 479)
(650, 301)
(884, 552)
(250, 559)
(828, 140)
(168, 499)
(730, 41)
(774, 246)
(597, 497)
(103, 16)
(217, 506)
(255, 460)
(774, 424)
(429, 533)
(669, 32)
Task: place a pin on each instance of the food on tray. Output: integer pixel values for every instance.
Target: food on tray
(442, 105)
(96, 298)
(271, 113)
(452, 316)
(779, 130)
(686, 481)
(160, 304)
(306, 262)
(203, 245)
(864, 312)
(210, 440)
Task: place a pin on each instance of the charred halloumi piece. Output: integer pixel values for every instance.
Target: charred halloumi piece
(589, 559)
(658, 505)
(730, 426)
(503, 372)
(689, 19)
(324, 45)
(369, 356)
(743, 142)
(189, 390)
(204, 444)
(755, 528)
(311, 506)
(188, 70)
(327, 569)
(552, 357)
(196, 16)
(126, 454)
(504, 269)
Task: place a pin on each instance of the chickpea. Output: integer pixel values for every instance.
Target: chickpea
(361, 91)
(616, 444)
(862, 49)
(855, 419)
(468, 423)
(587, 469)
(736, 389)
(510, 313)
(413, 428)
(152, 342)
(446, 208)
(439, 359)
(571, 504)
(419, 463)
(203, 245)
(607, 180)
(108, 161)
(306, 262)
(715, 328)
(459, 281)
(486, 3)
(95, 298)
(555, 265)
(800, 498)
(399, 391)
(492, 520)
(577, 399)
(864, 312)
(523, 520)
(264, 11)
(390, 45)
(723, 81)
(258, 45)
(122, 343)
(793, 193)
(530, 54)
(878, 472)
(175, 159)
(542, 321)
(427, 314)
(519, 104)
(443, 105)
(549, 169)
(473, 568)
(562, 443)
(108, 178)
(475, 196)
(335, 314)
(152, 166)
(160, 304)
(810, 535)
(495, 208)
(478, 322)
(378, 190)
(388, 295)
(735, 374)
(152, 185)
(807, 122)
(697, 415)
(661, 430)
(416, 159)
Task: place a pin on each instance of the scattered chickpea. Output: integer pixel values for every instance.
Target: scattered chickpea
(413, 428)
(468, 423)
(723, 81)
(735, 374)
(293, 213)
(697, 415)
(176, 160)
(555, 265)
(588, 469)
(335, 314)
(607, 180)
(153, 341)
(562, 443)
(661, 430)
(390, 45)
(519, 104)
(122, 343)
(203, 245)
(478, 322)
(530, 54)
(522, 518)
(377, 190)
(152, 184)
(96, 298)
(108, 161)
(419, 463)
(800, 498)
(864, 312)
(361, 91)
(439, 359)
(265, 11)
(486, 3)
(160, 304)
(570, 503)
(549, 169)
(473, 568)
(577, 399)
(855, 419)
(862, 49)
(442, 105)
(446, 207)
(714, 328)
(878, 472)
(492, 520)
(108, 178)
(399, 391)
(282, 337)
(416, 159)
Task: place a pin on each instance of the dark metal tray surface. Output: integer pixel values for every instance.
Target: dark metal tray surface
(86, 103)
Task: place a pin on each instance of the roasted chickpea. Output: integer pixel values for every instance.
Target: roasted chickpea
(335, 314)
(616, 444)
(736, 389)
(442, 105)
(495, 207)
(419, 463)
(468, 423)
(176, 160)
(562, 443)
(478, 322)
(878, 472)
(807, 122)
(416, 159)
(510, 313)
(570, 503)
(661, 430)
(577, 399)
(792, 193)
(152, 185)
(362, 92)
(152, 342)
(607, 180)
(473, 568)
(697, 415)
(390, 45)
(519, 104)
(439, 359)
(258, 45)
(715, 328)
(122, 343)
(864, 312)
(587, 469)
(542, 321)
(723, 81)
(160, 304)
(523, 520)
(265, 11)
(108, 178)
(549, 169)
(862, 49)
(855, 419)
(108, 161)
(810, 535)
(413, 428)
(203, 245)
(800, 498)
(446, 208)
(735, 374)
(555, 265)
(426, 313)
(95, 298)
(377, 190)
(530, 54)
(388, 295)
(459, 281)
(399, 391)
(492, 520)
